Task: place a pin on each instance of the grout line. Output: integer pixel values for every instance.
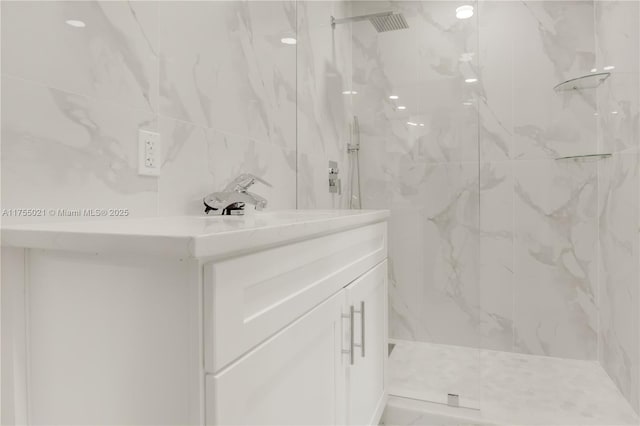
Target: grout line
(71, 92)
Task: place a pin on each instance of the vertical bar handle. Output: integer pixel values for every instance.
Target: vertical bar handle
(352, 344)
(362, 321)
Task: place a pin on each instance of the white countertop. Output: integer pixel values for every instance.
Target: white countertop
(187, 236)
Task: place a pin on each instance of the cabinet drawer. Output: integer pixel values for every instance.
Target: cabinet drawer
(251, 297)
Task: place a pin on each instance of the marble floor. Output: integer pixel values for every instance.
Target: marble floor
(503, 388)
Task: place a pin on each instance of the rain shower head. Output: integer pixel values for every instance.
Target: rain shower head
(382, 22)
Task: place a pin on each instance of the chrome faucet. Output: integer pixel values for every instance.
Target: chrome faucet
(234, 197)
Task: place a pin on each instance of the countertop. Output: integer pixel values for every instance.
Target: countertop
(187, 236)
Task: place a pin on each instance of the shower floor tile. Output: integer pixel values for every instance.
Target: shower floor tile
(509, 388)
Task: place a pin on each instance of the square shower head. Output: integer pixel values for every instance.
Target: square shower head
(392, 22)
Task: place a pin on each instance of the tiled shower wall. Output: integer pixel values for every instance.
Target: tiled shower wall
(212, 77)
(618, 43)
(565, 262)
(539, 217)
(426, 175)
(548, 262)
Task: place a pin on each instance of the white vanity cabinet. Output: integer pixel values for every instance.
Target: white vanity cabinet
(194, 320)
(305, 374)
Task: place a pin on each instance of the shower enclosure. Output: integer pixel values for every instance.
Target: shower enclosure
(503, 136)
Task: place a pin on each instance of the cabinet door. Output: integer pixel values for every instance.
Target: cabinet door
(366, 377)
(294, 378)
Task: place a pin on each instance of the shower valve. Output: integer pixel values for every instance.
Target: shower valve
(334, 181)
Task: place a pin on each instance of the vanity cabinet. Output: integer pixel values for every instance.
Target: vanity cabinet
(305, 374)
(279, 320)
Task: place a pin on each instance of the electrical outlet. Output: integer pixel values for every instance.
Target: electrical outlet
(149, 159)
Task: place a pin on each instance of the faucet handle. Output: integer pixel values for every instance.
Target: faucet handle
(243, 182)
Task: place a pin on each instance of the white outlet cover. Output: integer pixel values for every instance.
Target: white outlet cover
(149, 153)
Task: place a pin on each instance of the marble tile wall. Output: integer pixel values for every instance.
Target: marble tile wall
(212, 77)
(493, 242)
(72, 101)
(324, 111)
(427, 173)
(617, 29)
(547, 249)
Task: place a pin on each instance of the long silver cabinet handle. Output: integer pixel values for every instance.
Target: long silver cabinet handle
(361, 345)
(351, 351)
(362, 321)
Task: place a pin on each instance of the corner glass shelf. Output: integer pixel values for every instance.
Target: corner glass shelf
(592, 157)
(589, 81)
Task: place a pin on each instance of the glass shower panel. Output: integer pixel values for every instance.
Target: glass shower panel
(559, 205)
(416, 103)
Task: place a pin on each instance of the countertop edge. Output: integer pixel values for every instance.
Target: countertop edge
(209, 246)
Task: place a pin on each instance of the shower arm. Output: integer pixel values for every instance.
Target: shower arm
(335, 21)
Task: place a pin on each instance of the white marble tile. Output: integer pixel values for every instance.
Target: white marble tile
(186, 174)
(62, 150)
(198, 161)
(496, 286)
(418, 171)
(114, 57)
(223, 66)
(555, 42)
(324, 112)
(617, 35)
(406, 274)
(428, 372)
(447, 199)
(433, 244)
(425, 65)
(619, 113)
(496, 63)
(535, 390)
(619, 273)
(514, 388)
(555, 210)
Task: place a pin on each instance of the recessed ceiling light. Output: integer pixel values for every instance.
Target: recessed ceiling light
(464, 12)
(467, 103)
(394, 97)
(401, 107)
(608, 68)
(596, 114)
(349, 92)
(75, 23)
(411, 123)
(614, 112)
(594, 69)
(288, 40)
(471, 80)
(421, 124)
